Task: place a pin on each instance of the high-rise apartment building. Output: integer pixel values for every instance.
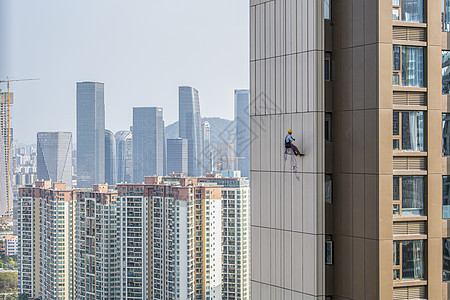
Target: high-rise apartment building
(110, 158)
(243, 133)
(180, 221)
(235, 236)
(124, 156)
(6, 136)
(46, 241)
(177, 156)
(67, 242)
(90, 134)
(190, 127)
(207, 148)
(54, 157)
(364, 87)
(96, 265)
(148, 142)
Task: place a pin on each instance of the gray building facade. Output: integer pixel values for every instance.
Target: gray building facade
(124, 156)
(54, 157)
(90, 134)
(148, 142)
(177, 156)
(190, 127)
(243, 133)
(110, 158)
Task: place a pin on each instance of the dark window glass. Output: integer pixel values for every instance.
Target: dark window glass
(446, 197)
(412, 66)
(396, 56)
(412, 260)
(446, 134)
(412, 131)
(412, 11)
(413, 195)
(446, 260)
(445, 72)
(396, 123)
(396, 188)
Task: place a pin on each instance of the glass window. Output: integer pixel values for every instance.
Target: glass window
(328, 189)
(409, 195)
(410, 10)
(327, 127)
(445, 72)
(327, 66)
(408, 260)
(446, 197)
(446, 134)
(412, 66)
(327, 9)
(408, 130)
(407, 65)
(446, 260)
(329, 251)
(446, 15)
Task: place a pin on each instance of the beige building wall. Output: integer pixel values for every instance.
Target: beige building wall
(287, 224)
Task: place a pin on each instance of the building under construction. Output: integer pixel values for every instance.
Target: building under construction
(6, 136)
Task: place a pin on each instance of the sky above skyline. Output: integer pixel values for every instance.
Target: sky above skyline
(141, 50)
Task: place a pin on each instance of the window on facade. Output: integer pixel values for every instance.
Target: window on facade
(409, 196)
(408, 10)
(408, 130)
(446, 260)
(409, 262)
(446, 15)
(327, 66)
(328, 189)
(446, 134)
(328, 251)
(327, 127)
(408, 66)
(327, 9)
(445, 72)
(446, 197)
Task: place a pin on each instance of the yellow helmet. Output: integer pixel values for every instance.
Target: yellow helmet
(289, 131)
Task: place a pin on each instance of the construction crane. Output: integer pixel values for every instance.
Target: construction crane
(8, 138)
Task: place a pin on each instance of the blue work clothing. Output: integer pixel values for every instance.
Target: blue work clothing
(289, 138)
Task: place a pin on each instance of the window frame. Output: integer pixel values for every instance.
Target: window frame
(399, 267)
(399, 137)
(329, 178)
(399, 202)
(399, 73)
(329, 242)
(398, 7)
(327, 61)
(327, 129)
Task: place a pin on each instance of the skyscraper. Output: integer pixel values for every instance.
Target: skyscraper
(190, 127)
(124, 156)
(6, 134)
(364, 86)
(54, 157)
(177, 156)
(96, 264)
(90, 134)
(207, 149)
(243, 133)
(46, 223)
(179, 222)
(148, 142)
(110, 158)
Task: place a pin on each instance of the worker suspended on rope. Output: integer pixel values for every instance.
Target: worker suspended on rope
(289, 144)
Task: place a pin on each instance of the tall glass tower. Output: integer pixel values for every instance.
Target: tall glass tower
(190, 128)
(54, 157)
(242, 137)
(90, 134)
(110, 158)
(124, 156)
(148, 142)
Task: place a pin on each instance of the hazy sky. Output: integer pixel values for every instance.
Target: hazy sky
(142, 51)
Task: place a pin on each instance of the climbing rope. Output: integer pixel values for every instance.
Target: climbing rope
(294, 168)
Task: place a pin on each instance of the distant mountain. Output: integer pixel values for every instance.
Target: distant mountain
(222, 130)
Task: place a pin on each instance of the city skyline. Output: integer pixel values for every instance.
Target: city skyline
(127, 71)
